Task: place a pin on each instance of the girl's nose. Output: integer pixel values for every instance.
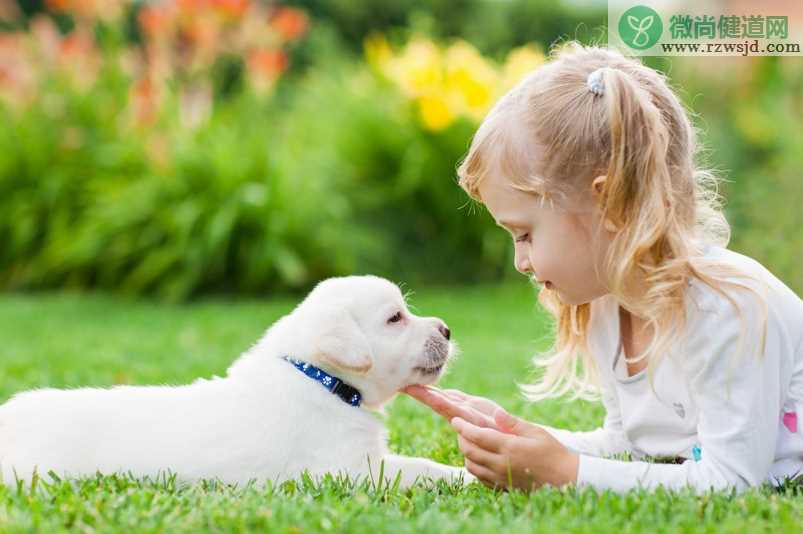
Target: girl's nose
(522, 263)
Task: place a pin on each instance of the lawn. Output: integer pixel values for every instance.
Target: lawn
(70, 340)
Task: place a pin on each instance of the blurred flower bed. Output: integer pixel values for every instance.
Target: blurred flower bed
(183, 147)
(182, 161)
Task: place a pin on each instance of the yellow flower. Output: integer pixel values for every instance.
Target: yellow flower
(456, 81)
(435, 112)
(418, 69)
(470, 78)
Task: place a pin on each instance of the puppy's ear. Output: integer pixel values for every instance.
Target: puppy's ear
(338, 340)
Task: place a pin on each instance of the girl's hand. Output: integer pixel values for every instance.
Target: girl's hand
(517, 455)
(501, 450)
(451, 403)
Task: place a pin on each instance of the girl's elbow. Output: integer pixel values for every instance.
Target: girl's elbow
(721, 478)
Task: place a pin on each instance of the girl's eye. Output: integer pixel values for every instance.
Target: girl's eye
(396, 318)
(523, 238)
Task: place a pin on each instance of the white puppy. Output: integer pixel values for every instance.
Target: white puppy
(270, 418)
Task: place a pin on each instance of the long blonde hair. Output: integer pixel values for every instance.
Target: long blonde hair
(665, 206)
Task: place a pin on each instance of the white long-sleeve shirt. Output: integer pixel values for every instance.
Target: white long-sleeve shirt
(751, 436)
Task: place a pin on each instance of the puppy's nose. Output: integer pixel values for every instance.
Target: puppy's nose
(443, 329)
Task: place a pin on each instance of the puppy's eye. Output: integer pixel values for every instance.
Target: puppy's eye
(396, 318)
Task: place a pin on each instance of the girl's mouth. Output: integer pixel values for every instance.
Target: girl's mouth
(546, 283)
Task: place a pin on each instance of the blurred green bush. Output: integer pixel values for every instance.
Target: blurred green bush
(341, 179)
(492, 26)
(112, 184)
(750, 111)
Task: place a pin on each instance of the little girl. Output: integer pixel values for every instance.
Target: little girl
(589, 163)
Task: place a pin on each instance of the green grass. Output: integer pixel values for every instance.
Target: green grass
(69, 340)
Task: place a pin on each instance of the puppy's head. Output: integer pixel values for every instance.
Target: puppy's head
(360, 329)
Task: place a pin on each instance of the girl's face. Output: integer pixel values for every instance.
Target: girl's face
(552, 246)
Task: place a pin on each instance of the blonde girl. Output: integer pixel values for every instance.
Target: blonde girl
(591, 164)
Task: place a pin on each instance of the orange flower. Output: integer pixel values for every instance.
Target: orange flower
(191, 5)
(72, 45)
(289, 22)
(267, 62)
(232, 8)
(58, 5)
(264, 67)
(91, 9)
(152, 19)
(143, 100)
(18, 78)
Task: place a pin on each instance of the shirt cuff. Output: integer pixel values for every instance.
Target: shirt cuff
(622, 476)
(607, 474)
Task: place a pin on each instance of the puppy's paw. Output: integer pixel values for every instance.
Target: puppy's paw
(467, 477)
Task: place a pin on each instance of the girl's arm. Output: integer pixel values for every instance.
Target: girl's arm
(740, 404)
(607, 440)
(479, 411)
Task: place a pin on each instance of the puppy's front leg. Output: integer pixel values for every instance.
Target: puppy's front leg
(412, 469)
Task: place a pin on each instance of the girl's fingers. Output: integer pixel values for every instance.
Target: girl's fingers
(510, 424)
(429, 396)
(457, 394)
(477, 418)
(488, 407)
(447, 407)
(416, 391)
(469, 414)
(477, 454)
(473, 400)
(485, 475)
(481, 404)
(488, 438)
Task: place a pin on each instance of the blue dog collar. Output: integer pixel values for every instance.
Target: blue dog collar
(347, 393)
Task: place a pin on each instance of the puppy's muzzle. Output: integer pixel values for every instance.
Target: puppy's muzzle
(436, 352)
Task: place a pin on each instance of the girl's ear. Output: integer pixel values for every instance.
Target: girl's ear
(598, 186)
